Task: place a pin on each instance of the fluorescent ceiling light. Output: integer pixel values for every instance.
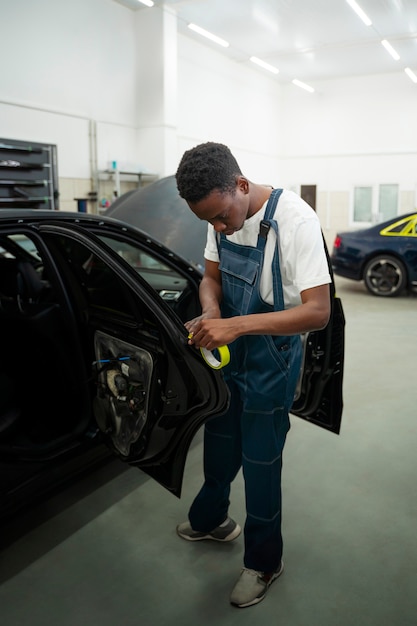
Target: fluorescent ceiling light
(210, 36)
(411, 74)
(147, 3)
(303, 85)
(266, 66)
(390, 49)
(355, 6)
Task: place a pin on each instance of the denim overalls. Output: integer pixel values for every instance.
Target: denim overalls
(262, 377)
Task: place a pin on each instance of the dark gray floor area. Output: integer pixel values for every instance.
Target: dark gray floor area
(104, 552)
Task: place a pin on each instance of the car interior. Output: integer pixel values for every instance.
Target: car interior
(47, 337)
(37, 356)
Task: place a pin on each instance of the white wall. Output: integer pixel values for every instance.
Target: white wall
(360, 131)
(64, 66)
(220, 100)
(353, 131)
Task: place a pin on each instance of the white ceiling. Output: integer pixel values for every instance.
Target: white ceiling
(310, 40)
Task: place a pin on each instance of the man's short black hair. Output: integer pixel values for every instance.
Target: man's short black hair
(204, 168)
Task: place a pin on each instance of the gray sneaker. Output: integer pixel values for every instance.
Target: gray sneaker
(226, 532)
(252, 586)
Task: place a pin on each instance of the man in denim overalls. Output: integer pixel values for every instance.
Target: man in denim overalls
(265, 282)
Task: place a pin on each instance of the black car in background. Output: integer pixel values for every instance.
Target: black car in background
(95, 359)
(384, 256)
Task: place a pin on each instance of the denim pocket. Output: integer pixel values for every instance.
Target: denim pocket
(238, 279)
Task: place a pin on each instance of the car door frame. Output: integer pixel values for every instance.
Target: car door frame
(165, 465)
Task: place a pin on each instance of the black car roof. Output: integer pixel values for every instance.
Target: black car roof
(14, 216)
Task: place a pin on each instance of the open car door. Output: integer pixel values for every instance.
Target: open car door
(319, 395)
(150, 391)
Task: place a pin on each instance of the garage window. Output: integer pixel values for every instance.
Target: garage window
(388, 202)
(372, 204)
(362, 204)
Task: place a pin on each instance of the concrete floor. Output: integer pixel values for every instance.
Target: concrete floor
(104, 552)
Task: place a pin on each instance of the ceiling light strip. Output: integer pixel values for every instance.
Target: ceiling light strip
(410, 74)
(355, 6)
(303, 85)
(147, 3)
(390, 49)
(208, 35)
(266, 66)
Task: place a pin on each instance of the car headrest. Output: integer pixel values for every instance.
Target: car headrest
(19, 282)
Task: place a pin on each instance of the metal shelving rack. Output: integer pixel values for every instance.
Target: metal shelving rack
(28, 175)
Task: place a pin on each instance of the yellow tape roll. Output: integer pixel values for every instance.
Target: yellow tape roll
(211, 360)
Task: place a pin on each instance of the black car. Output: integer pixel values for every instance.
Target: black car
(95, 358)
(384, 256)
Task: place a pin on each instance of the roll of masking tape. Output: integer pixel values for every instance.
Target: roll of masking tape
(212, 360)
(210, 357)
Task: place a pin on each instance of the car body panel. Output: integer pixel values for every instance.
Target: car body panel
(319, 394)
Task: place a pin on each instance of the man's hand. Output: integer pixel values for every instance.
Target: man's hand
(211, 333)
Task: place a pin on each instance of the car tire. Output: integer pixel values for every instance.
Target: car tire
(385, 275)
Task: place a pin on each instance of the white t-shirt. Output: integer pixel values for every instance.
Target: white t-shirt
(302, 257)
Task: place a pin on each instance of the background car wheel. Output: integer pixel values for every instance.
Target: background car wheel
(385, 276)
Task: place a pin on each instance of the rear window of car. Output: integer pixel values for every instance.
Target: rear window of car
(405, 228)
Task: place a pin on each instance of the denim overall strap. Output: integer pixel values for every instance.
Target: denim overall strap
(264, 228)
(270, 210)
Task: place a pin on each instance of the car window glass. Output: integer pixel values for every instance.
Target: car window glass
(93, 279)
(104, 290)
(166, 281)
(12, 245)
(397, 228)
(135, 256)
(404, 227)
